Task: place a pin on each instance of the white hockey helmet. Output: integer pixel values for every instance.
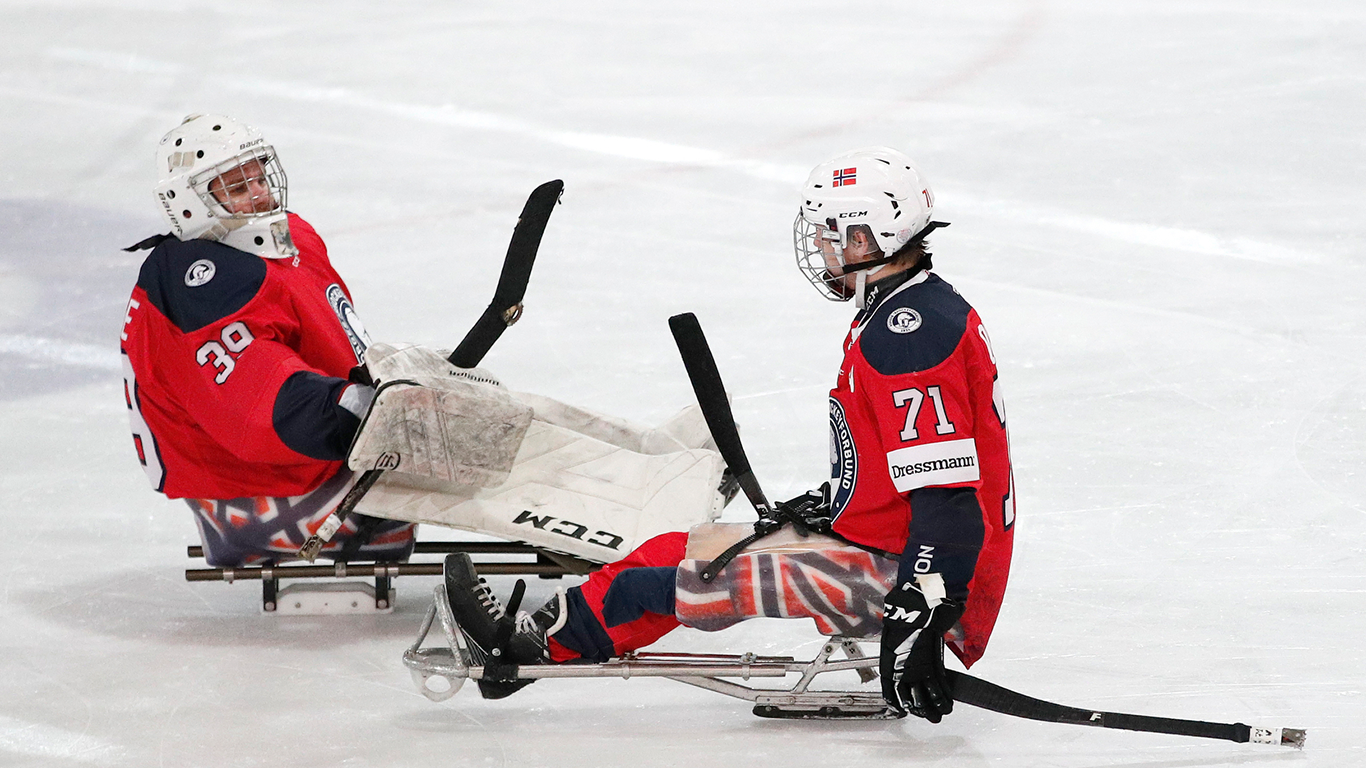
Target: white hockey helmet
(877, 187)
(218, 179)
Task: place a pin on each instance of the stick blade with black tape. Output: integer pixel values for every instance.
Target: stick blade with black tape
(506, 306)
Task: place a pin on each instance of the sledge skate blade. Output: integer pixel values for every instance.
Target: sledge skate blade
(820, 705)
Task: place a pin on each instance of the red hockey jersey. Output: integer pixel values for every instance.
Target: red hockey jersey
(234, 366)
(916, 414)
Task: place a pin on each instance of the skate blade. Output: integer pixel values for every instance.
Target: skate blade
(825, 713)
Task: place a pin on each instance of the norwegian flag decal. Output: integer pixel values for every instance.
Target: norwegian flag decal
(846, 178)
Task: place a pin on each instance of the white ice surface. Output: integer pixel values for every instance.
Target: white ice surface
(1156, 206)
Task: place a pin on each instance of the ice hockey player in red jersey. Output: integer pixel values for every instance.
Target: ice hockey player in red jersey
(238, 344)
(920, 461)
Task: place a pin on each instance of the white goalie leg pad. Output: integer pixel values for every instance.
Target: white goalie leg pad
(389, 362)
(584, 484)
(444, 428)
(685, 429)
(688, 427)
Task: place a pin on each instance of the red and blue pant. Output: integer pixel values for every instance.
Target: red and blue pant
(624, 606)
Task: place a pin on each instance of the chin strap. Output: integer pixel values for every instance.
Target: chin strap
(873, 263)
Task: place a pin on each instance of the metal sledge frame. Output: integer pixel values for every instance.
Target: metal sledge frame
(455, 663)
(548, 565)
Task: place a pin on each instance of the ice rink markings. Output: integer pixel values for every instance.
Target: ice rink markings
(652, 150)
(1146, 235)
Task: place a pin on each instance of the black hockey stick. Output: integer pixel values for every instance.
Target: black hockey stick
(506, 307)
(711, 397)
(503, 311)
(979, 693)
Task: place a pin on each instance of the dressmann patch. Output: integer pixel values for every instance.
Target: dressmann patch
(843, 460)
(199, 273)
(942, 463)
(350, 321)
(903, 320)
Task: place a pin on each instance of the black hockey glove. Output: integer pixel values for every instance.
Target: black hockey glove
(912, 663)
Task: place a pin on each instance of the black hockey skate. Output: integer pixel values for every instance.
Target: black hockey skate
(498, 641)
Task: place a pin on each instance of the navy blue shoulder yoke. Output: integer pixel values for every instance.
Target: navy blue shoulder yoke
(915, 329)
(199, 282)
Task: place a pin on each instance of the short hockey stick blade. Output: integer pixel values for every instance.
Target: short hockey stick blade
(506, 307)
(711, 397)
(979, 693)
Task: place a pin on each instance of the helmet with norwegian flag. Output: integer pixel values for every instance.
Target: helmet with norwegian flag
(877, 187)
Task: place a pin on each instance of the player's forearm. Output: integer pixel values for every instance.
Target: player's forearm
(946, 534)
(317, 415)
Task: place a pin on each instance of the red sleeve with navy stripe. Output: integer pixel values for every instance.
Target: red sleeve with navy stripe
(919, 450)
(234, 366)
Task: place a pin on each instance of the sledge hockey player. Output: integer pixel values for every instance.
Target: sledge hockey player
(919, 460)
(238, 347)
(255, 393)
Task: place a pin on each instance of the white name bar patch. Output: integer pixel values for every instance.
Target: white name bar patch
(942, 463)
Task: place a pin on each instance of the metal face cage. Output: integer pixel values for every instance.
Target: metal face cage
(820, 258)
(248, 186)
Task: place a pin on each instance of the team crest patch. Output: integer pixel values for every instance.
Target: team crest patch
(843, 460)
(199, 273)
(903, 320)
(350, 321)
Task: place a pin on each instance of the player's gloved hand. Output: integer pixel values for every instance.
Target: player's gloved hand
(810, 511)
(915, 617)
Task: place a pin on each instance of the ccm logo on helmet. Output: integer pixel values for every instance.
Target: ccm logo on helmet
(853, 214)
